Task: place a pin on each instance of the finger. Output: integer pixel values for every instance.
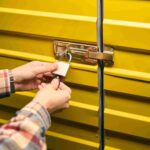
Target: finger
(48, 74)
(55, 83)
(39, 76)
(66, 105)
(40, 87)
(40, 63)
(43, 85)
(38, 81)
(46, 67)
(64, 87)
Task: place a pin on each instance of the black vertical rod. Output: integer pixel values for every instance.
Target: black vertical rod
(100, 72)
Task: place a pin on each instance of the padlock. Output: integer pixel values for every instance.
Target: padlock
(63, 67)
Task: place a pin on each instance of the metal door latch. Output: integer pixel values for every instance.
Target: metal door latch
(83, 53)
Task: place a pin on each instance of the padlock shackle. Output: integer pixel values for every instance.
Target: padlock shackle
(69, 55)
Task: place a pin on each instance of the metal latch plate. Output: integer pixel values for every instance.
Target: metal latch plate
(83, 53)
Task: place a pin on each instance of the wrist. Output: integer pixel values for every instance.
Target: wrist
(44, 104)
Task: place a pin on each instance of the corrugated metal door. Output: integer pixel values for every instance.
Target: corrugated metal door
(28, 29)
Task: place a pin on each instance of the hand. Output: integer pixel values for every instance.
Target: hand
(53, 96)
(30, 75)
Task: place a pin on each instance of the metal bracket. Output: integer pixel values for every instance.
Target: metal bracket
(83, 53)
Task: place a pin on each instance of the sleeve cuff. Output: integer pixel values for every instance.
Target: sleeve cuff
(36, 110)
(5, 89)
(11, 79)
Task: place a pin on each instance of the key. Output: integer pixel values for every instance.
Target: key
(63, 67)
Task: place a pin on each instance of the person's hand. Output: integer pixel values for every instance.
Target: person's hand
(30, 75)
(53, 96)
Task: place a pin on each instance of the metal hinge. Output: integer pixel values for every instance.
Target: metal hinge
(84, 53)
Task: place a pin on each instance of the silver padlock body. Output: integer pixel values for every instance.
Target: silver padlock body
(62, 68)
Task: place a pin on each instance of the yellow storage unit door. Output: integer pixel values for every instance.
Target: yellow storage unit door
(28, 29)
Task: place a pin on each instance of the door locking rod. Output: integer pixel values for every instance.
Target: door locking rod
(101, 57)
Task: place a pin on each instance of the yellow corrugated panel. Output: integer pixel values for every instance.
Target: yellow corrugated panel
(27, 32)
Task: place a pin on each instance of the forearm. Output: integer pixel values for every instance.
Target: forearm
(26, 130)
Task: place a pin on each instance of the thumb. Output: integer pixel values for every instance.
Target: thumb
(55, 83)
(44, 68)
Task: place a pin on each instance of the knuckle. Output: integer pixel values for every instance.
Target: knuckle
(35, 62)
(70, 90)
(66, 105)
(67, 96)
